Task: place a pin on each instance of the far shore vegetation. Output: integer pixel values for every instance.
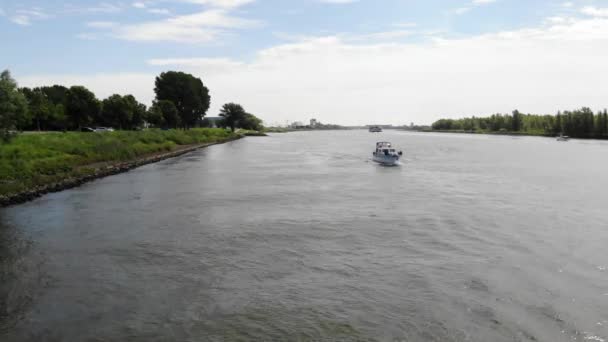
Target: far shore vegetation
(581, 123)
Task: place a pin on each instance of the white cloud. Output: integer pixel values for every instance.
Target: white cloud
(542, 69)
(25, 17)
(405, 25)
(338, 1)
(212, 21)
(595, 12)
(222, 3)
(474, 3)
(379, 36)
(22, 20)
(101, 24)
(159, 11)
(567, 4)
(102, 7)
(462, 10)
(87, 36)
(199, 27)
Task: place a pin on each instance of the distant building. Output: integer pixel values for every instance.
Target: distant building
(313, 123)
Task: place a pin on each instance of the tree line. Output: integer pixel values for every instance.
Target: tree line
(181, 101)
(580, 123)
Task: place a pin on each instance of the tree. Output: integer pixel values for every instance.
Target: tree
(516, 121)
(123, 112)
(232, 113)
(59, 118)
(251, 122)
(188, 94)
(139, 111)
(40, 107)
(154, 116)
(169, 116)
(13, 105)
(57, 95)
(82, 106)
(116, 112)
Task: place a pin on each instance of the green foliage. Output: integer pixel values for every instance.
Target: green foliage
(251, 122)
(31, 160)
(13, 106)
(164, 114)
(40, 108)
(581, 123)
(123, 112)
(232, 114)
(82, 106)
(188, 94)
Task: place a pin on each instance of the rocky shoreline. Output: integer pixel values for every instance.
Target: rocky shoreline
(101, 172)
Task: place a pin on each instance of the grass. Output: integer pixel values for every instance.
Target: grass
(277, 130)
(251, 133)
(29, 161)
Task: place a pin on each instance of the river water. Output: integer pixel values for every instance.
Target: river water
(300, 237)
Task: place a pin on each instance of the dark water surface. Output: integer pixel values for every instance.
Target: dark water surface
(300, 237)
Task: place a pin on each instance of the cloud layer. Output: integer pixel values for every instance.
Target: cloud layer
(356, 80)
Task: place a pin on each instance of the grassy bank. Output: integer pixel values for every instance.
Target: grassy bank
(30, 161)
(277, 130)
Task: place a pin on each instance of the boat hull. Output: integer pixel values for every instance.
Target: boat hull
(386, 160)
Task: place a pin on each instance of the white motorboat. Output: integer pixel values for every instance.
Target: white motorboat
(563, 138)
(385, 154)
(375, 129)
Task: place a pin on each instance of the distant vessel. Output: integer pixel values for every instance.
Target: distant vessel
(375, 129)
(385, 154)
(563, 138)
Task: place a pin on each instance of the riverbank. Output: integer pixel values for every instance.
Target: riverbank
(529, 134)
(31, 166)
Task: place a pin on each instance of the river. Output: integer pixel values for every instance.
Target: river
(300, 237)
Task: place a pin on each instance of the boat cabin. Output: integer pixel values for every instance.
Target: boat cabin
(385, 148)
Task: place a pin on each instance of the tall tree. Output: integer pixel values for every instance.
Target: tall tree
(40, 107)
(164, 114)
(516, 121)
(605, 122)
(13, 105)
(57, 95)
(123, 112)
(139, 111)
(116, 112)
(232, 114)
(188, 94)
(82, 106)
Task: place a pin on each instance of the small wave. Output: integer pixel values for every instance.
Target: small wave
(593, 338)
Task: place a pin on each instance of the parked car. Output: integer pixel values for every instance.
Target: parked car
(104, 129)
(87, 129)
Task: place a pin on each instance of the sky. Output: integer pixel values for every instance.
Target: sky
(351, 62)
